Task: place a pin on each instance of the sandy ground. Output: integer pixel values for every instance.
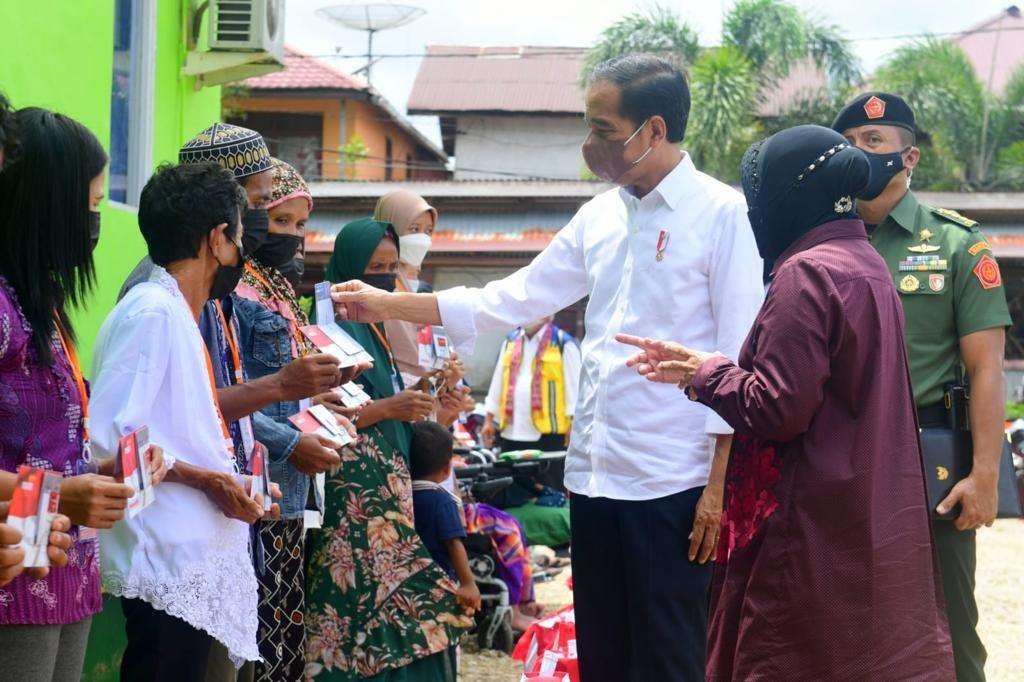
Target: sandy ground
(1000, 600)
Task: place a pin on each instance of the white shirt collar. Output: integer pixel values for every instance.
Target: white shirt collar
(673, 188)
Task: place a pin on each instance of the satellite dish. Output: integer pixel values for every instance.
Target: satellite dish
(371, 18)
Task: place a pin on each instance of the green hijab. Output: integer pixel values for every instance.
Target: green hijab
(353, 249)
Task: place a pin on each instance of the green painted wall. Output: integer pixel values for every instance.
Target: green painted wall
(62, 59)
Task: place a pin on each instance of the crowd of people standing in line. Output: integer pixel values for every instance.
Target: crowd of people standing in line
(789, 457)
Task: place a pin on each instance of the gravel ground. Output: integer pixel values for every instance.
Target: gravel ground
(1000, 600)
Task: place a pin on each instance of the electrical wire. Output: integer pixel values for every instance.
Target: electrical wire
(396, 163)
(570, 55)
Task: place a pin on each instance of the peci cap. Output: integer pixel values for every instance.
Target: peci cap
(240, 150)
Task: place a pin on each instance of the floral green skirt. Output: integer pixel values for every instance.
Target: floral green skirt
(375, 600)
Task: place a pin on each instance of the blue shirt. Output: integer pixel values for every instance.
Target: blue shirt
(437, 519)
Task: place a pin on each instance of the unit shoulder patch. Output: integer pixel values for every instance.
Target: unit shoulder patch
(987, 272)
(954, 217)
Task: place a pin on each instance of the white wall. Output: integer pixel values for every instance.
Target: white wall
(537, 146)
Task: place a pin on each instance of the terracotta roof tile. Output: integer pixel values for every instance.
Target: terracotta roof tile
(303, 72)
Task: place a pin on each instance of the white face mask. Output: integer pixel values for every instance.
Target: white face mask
(414, 248)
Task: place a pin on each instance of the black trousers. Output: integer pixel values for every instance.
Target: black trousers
(641, 604)
(957, 561)
(161, 647)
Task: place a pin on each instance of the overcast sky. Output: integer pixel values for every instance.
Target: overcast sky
(579, 22)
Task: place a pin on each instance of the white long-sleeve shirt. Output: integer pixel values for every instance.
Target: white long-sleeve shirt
(633, 439)
(521, 427)
(180, 554)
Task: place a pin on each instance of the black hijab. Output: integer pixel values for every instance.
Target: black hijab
(796, 180)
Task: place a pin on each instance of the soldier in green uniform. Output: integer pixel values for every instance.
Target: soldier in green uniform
(956, 315)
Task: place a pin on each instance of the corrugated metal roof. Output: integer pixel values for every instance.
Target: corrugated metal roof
(460, 78)
(1004, 202)
(457, 231)
(337, 189)
(303, 72)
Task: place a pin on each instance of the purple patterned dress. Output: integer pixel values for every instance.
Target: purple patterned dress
(41, 425)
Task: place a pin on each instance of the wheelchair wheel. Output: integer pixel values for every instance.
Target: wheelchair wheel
(504, 638)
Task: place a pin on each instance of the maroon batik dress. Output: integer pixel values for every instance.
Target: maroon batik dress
(825, 569)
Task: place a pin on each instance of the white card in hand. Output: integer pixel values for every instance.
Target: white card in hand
(324, 304)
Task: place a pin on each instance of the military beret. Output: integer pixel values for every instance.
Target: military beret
(878, 108)
(240, 150)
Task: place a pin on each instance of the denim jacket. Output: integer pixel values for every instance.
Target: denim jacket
(265, 345)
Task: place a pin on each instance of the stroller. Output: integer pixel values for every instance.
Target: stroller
(494, 619)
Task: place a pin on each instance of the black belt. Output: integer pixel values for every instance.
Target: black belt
(933, 415)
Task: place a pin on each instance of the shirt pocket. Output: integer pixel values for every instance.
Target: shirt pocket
(651, 296)
(271, 342)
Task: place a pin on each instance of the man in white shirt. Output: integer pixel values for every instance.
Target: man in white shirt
(668, 254)
(532, 397)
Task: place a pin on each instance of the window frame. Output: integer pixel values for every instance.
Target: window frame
(143, 86)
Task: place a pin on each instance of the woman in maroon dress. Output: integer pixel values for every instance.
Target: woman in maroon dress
(825, 567)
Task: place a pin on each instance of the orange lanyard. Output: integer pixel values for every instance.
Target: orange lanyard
(228, 441)
(387, 346)
(293, 328)
(229, 337)
(76, 372)
(382, 338)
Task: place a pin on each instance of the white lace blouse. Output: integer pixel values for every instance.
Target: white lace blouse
(180, 554)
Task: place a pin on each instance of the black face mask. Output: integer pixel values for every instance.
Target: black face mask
(278, 250)
(883, 168)
(382, 281)
(94, 229)
(227, 277)
(292, 271)
(255, 224)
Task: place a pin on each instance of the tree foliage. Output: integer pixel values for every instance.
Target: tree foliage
(723, 93)
(971, 139)
(657, 31)
(962, 142)
(763, 41)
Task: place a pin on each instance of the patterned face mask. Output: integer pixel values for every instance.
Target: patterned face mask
(606, 158)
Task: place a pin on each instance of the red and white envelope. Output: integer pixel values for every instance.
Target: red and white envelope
(434, 347)
(352, 394)
(319, 420)
(33, 507)
(259, 469)
(134, 466)
(327, 336)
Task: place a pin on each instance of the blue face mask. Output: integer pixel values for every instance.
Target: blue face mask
(883, 168)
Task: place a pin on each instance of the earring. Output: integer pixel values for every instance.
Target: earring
(844, 205)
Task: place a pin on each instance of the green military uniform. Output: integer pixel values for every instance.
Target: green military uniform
(950, 287)
(949, 284)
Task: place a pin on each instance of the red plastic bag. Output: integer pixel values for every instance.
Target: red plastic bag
(548, 647)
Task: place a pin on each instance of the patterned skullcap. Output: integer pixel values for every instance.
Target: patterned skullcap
(288, 184)
(240, 150)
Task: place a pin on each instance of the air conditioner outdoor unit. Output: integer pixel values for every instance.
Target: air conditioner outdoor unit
(245, 39)
(247, 25)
